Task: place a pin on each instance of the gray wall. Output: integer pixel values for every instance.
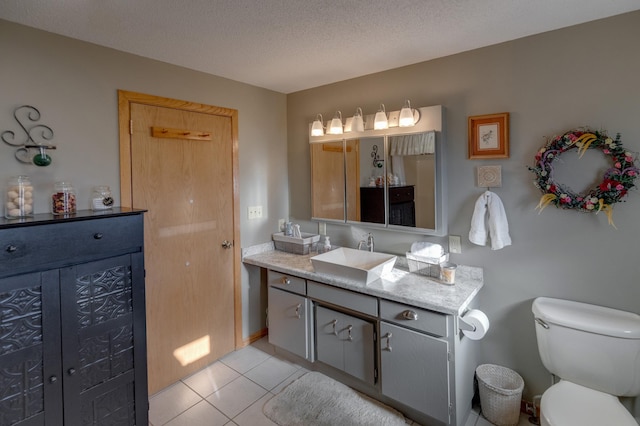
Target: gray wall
(585, 75)
(74, 85)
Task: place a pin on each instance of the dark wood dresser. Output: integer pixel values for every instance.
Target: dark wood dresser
(402, 210)
(72, 320)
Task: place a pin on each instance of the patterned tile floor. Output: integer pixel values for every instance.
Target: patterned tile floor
(232, 391)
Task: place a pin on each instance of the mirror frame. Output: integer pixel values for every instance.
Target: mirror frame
(431, 118)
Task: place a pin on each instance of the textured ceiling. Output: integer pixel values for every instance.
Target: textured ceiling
(291, 45)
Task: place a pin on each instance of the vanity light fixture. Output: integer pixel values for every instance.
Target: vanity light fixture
(407, 117)
(357, 122)
(317, 129)
(380, 121)
(335, 128)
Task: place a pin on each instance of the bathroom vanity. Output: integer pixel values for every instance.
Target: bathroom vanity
(396, 339)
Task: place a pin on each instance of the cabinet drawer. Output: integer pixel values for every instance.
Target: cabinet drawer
(61, 243)
(401, 194)
(287, 282)
(428, 321)
(343, 298)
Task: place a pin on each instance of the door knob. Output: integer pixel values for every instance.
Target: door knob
(227, 244)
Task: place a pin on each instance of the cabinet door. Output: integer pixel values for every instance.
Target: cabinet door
(288, 326)
(346, 342)
(328, 345)
(98, 344)
(415, 370)
(30, 379)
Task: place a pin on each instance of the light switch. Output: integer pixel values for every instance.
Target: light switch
(454, 244)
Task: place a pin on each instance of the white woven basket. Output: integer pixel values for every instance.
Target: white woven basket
(500, 394)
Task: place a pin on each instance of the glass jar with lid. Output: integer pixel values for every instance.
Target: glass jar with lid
(63, 200)
(101, 198)
(19, 198)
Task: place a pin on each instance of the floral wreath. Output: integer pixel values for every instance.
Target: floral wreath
(615, 184)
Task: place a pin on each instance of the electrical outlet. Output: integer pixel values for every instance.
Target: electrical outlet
(254, 212)
(454, 244)
(322, 228)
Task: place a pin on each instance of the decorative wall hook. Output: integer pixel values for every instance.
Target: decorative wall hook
(36, 137)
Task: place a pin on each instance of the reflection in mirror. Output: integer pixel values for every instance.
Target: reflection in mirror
(352, 173)
(371, 182)
(328, 181)
(411, 180)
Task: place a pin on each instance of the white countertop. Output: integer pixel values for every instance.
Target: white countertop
(399, 285)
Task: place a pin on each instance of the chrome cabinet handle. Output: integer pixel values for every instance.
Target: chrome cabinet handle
(334, 323)
(227, 244)
(98, 235)
(11, 248)
(286, 280)
(71, 371)
(388, 337)
(542, 323)
(53, 379)
(349, 337)
(410, 315)
(298, 310)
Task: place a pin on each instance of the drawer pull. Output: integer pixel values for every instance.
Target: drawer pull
(388, 337)
(298, 310)
(71, 371)
(349, 337)
(334, 323)
(53, 379)
(97, 235)
(410, 315)
(11, 249)
(286, 280)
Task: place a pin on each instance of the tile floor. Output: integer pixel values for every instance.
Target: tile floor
(232, 391)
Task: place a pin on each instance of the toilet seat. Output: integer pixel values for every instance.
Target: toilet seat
(567, 404)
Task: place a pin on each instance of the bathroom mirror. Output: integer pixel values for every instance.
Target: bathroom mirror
(334, 172)
(390, 178)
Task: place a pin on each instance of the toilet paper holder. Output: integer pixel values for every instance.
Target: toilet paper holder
(464, 325)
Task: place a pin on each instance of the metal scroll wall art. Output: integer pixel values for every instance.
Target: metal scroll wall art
(32, 148)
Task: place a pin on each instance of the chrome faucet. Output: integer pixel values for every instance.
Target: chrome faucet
(366, 244)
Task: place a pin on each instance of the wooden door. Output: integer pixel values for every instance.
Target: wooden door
(181, 168)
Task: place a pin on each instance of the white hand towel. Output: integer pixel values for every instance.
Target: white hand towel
(489, 210)
(422, 248)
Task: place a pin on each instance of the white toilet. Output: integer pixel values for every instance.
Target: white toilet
(595, 351)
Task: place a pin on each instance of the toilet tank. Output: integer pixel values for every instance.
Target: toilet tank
(589, 345)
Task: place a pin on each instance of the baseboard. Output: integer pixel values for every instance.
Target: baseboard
(254, 337)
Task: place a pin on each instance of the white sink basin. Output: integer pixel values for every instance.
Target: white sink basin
(355, 265)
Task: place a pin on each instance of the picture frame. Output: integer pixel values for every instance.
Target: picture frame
(489, 136)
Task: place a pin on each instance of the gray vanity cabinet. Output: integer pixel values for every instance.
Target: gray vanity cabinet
(414, 357)
(409, 357)
(415, 370)
(346, 343)
(289, 319)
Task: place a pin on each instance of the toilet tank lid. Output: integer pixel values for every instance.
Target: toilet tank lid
(586, 317)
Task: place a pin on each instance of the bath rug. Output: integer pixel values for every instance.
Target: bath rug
(317, 400)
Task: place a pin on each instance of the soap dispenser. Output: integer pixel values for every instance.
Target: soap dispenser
(327, 244)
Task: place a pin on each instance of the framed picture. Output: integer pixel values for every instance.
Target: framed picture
(489, 136)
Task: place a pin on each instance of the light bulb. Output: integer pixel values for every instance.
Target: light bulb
(357, 124)
(335, 128)
(406, 116)
(380, 121)
(316, 128)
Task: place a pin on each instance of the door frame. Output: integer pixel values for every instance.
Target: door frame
(125, 99)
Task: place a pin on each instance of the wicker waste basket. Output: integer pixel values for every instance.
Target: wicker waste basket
(500, 394)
